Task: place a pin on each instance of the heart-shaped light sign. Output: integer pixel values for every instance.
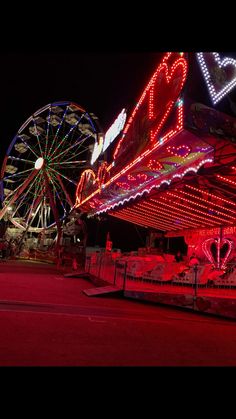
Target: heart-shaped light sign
(220, 75)
(180, 151)
(218, 259)
(154, 106)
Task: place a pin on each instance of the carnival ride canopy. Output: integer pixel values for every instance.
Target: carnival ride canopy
(174, 165)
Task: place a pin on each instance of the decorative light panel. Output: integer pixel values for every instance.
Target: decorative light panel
(220, 75)
(180, 151)
(217, 261)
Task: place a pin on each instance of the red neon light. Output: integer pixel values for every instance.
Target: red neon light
(165, 208)
(140, 177)
(212, 196)
(203, 219)
(206, 247)
(86, 176)
(209, 203)
(198, 205)
(225, 179)
(142, 156)
(166, 213)
(146, 221)
(102, 174)
(148, 217)
(152, 92)
(168, 77)
(137, 221)
(155, 165)
(181, 151)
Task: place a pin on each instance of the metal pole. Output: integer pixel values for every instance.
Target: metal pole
(100, 265)
(114, 282)
(87, 263)
(125, 270)
(195, 268)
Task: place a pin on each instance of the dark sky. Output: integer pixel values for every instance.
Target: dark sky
(102, 83)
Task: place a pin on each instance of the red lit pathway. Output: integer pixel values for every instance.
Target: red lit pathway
(46, 320)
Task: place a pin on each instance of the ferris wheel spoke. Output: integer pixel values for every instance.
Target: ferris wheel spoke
(37, 136)
(66, 136)
(65, 177)
(70, 148)
(70, 158)
(74, 154)
(29, 147)
(17, 174)
(53, 206)
(31, 217)
(57, 193)
(68, 163)
(48, 127)
(21, 160)
(19, 192)
(58, 129)
(65, 191)
(16, 189)
(24, 196)
(35, 195)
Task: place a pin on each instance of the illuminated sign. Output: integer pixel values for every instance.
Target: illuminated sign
(97, 149)
(220, 75)
(115, 129)
(110, 136)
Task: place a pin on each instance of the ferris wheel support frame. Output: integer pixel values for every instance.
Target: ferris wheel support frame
(18, 193)
(54, 209)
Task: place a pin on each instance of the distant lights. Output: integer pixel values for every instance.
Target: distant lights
(217, 96)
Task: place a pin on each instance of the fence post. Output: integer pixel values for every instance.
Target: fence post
(89, 263)
(195, 269)
(100, 265)
(125, 270)
(114, 282)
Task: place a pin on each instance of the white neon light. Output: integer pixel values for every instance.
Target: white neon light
(216, 97)
(115, 129)
(39, 163)
(97, 150)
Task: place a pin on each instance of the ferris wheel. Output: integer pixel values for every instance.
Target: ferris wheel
(43, 163)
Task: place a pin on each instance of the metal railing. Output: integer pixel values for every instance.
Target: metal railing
(131, 273)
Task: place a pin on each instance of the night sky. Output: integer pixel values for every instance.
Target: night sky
(102, 83)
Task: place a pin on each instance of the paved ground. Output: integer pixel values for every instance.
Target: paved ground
(46, 320)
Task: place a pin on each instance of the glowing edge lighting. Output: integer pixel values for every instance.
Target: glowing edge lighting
(169, 135)
(217, 263)
(216, 97)
(190, 169)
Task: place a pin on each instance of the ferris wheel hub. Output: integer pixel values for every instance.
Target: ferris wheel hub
(39, 163)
